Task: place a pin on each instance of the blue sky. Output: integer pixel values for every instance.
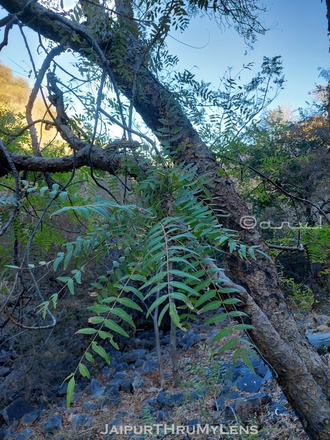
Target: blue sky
(298, 32)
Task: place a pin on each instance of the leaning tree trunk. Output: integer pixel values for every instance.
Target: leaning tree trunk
(305, 379)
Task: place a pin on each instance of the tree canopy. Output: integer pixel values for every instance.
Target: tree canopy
(171, 211)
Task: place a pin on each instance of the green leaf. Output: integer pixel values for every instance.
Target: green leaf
(203, 285)
(223, 333)
(237, 313)
(182, 297)
(67, 259)
(101, 352)
(155, 279)
(252, 253)
(87, 331)
(109, 299)
(114, 344)
(214, 305)
(227, 290)
(244, 327)
(183, 286)
(182, 274)
(63, 196)
(105, 335)
(133, 290)
(155, 289)
(162, 313)
(216, 318)
(96, 319)
(231, 301)
(156, 303)
(83, 370)
(99, 308)
(232, 246)
(57, 262)
(129, 303)
(123, 315)
(247, 361)
(89, 357)
(77, 277)
(115, 327)
(64, 279)
(69, 391)
(175, 316)
(205, 297)
(71, 286)
(229, 346)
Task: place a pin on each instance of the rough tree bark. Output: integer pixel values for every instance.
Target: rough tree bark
(302, 374)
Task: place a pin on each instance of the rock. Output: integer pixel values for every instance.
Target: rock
(246, 408)
(170, 400)
(276, 410)
(219, 404)
(250, 383)
(262, 370)
(321, 320)
(121, 367)
(81, 421)
(115, 383)
(97, 389)
(121, 375)
(162, 415)
(189, 339)
(16, 410)
(112, 397)
(4, 371)
(30, 417)
(126, 385)
(150, 366)
(137, 382)
(53, 424)
(26, 434)
(133, 355)
(90, 405)
(321, 341)
(139, 363)
(152, 402)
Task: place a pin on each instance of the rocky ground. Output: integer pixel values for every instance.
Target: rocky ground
(124, 401)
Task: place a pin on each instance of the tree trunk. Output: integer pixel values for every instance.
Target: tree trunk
(304, 377)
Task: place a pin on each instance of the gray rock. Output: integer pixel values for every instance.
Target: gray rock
(121, 375)
(321, 341)
(250, 383)
(121, 367)
(112, 397)
(246, 408)
(90, 405)
(133, 355)
(81, 421)
(162, 415)
(165, 399)
(30, 417)
(97, 389)
(26, 434)
(4, 371)
(190, 339)
(115, 383)
(276, 410)
(137, 382)
(16, 410)
(53, 424)
(150, 366)
(126, 385)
